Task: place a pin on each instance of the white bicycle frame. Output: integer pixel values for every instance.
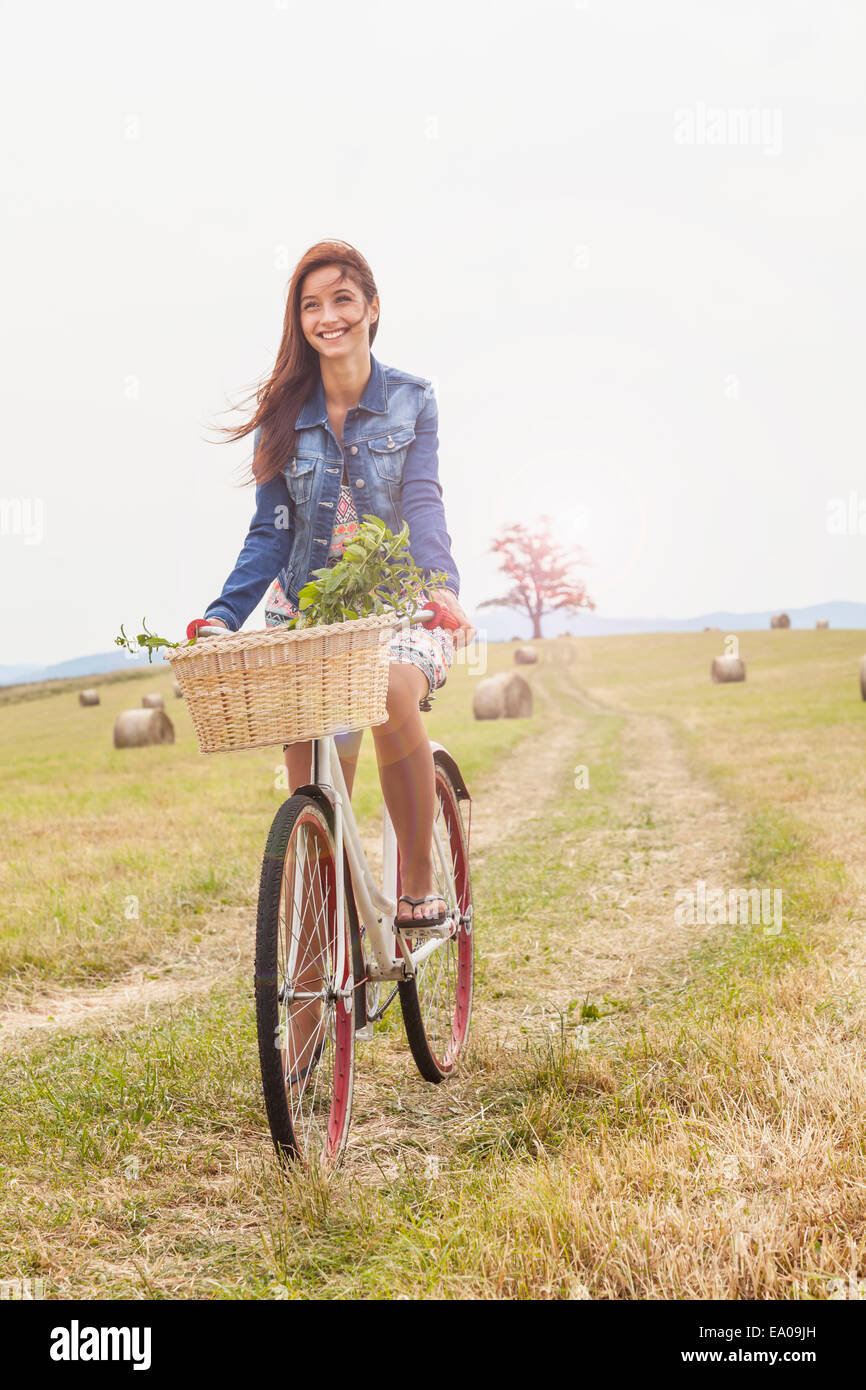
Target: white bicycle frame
(391, 958)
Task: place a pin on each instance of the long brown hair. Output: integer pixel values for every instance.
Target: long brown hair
(279, 399)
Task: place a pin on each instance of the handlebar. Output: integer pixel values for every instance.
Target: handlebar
(426, 615)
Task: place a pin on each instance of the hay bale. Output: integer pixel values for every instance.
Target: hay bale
(135, 728)
(517, 639)
(517, 696)
(712, 629)
(152, 702)
(487, 700)
(823, 622)
(863, 677)
(88, 697)
(525, 656)
(506, 696)
(178, 693)
(727, 668)
(780, 620)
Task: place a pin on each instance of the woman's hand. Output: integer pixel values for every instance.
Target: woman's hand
(465, 632)
(193, 627)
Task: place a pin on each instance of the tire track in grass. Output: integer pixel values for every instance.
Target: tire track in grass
(575, 904)
(226, 948)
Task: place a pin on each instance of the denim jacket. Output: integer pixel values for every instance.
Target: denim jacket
(390, 448)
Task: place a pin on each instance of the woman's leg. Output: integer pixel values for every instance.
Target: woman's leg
(299, 760)
(408, 784)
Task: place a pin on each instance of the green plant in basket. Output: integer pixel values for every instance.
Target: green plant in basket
(375, 574)
(147, 641)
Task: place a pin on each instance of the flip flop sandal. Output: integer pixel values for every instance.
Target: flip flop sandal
(415, 922)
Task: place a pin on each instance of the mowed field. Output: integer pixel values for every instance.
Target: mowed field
(650, 1107)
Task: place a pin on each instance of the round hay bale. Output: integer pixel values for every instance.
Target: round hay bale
(780, 620)
(863, 677)
(487, 699)
(506, 696)
(178, 693)
(517, 639)
(88, 697)
(152, 702)
(525, 656)
(135, 728)
(727, 668)
(516, 695)
(823, 622)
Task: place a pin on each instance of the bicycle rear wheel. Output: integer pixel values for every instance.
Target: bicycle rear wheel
(304, 987)
(437, 1001)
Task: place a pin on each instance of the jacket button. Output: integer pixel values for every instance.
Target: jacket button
(354, 449)
(391, 444)
(359, 482)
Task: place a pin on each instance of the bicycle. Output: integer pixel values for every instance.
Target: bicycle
(328, 947)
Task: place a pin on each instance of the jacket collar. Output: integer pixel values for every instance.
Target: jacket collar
(373, 398)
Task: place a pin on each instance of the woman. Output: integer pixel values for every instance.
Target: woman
(337, 435)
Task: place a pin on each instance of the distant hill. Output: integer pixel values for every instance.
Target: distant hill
(78, 666)
(11, 675)
(501, 625)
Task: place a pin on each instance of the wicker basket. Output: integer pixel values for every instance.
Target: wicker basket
(256, 689)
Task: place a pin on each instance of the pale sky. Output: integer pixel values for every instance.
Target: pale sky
(625, 241)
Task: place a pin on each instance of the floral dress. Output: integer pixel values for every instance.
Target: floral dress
(430, 649)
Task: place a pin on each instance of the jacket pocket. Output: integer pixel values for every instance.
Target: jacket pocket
(299, 474)
(388, 452)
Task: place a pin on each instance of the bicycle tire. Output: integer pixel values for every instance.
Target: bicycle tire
(308, 1106)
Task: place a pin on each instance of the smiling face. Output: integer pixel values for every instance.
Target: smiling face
(335, 316)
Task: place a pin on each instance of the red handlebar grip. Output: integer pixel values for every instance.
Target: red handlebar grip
(441, 616)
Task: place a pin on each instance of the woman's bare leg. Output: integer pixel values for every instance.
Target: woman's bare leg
(409, 785)
(299, 760)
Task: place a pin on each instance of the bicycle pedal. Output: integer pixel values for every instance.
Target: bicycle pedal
(419, 929)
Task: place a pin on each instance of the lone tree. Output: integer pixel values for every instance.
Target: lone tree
(542, 573)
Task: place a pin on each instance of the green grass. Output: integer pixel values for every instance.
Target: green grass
(694, 1133)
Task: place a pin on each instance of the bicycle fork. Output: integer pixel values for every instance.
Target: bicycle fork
(322, 776)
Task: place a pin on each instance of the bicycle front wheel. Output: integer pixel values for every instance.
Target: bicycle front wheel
(437, 1001)
(305, 992)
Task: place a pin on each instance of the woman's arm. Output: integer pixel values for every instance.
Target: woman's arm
(421, 497)
(265, 553)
